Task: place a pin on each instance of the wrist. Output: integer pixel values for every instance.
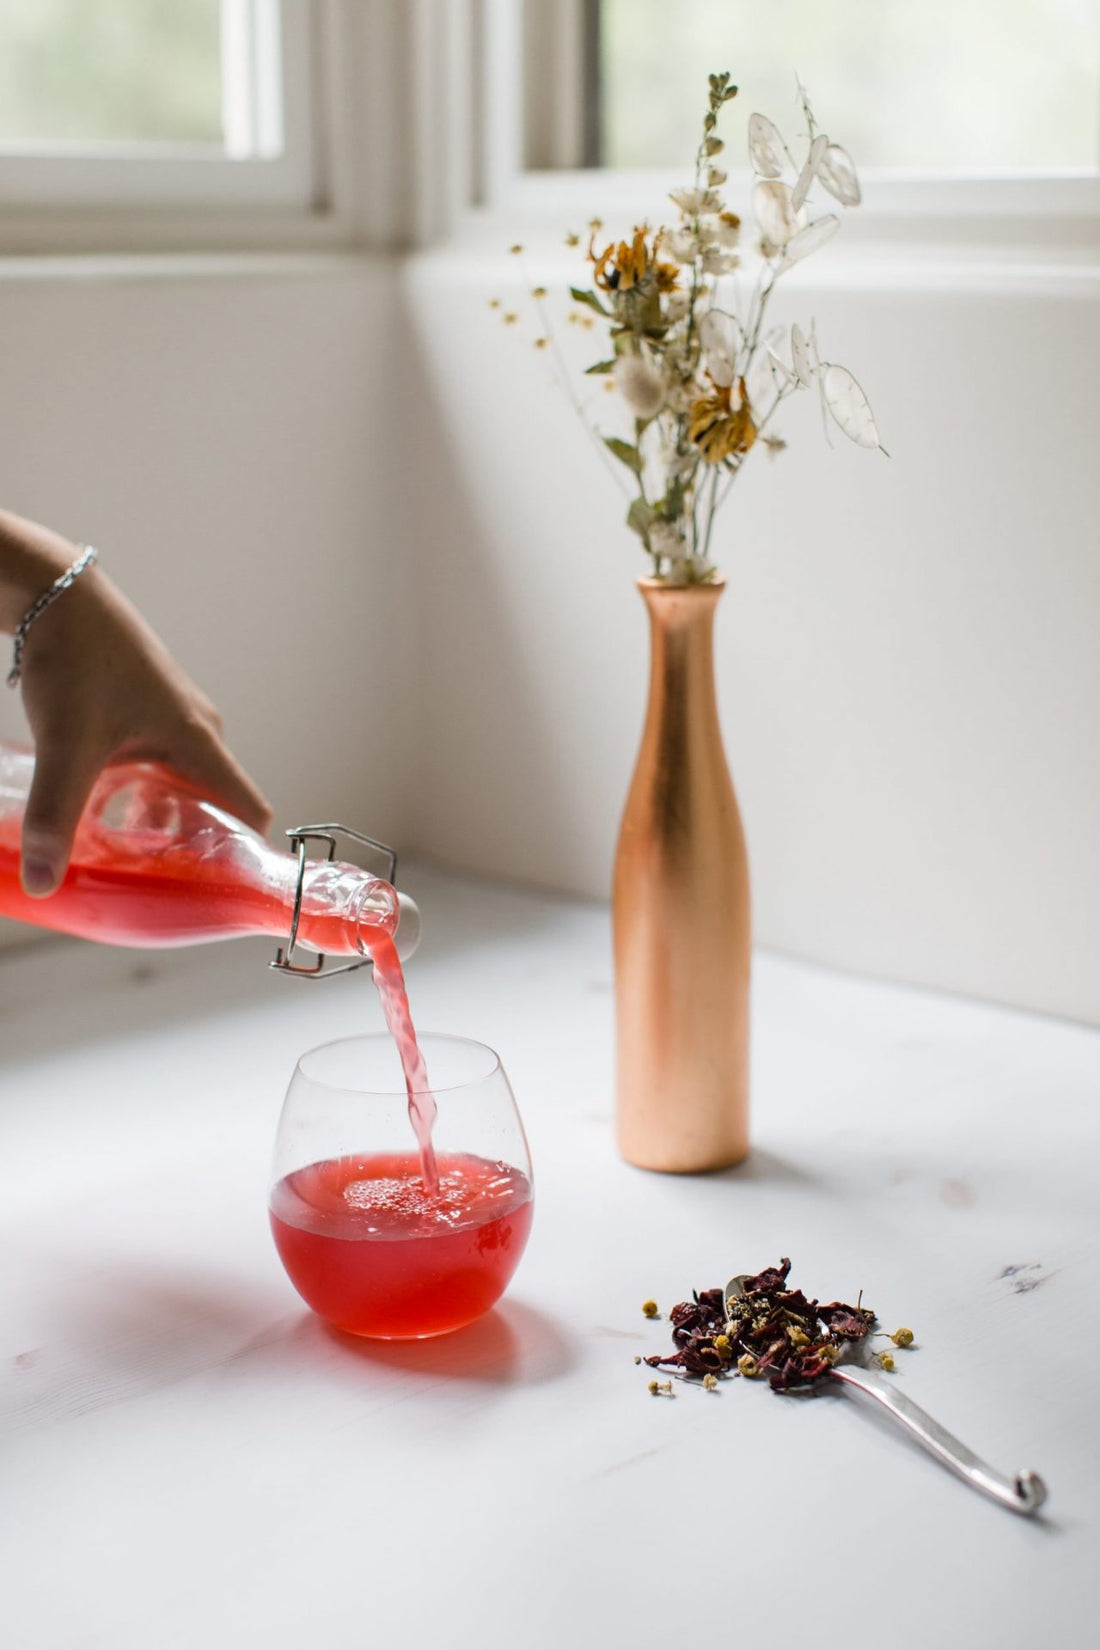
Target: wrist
(31, 558)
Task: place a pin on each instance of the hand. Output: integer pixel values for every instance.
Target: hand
(100, 687)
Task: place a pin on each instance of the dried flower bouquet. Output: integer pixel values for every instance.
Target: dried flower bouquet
(701, 376)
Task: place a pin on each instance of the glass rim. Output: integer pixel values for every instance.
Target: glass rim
(401, 1093)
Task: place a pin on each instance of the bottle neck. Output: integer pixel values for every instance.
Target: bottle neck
(344, 909)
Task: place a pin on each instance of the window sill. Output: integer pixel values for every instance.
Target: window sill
(1044, 221)
(95, 268)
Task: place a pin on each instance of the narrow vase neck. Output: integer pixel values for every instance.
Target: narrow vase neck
(681, 629)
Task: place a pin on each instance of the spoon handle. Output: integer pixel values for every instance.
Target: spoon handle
(1025, 1493)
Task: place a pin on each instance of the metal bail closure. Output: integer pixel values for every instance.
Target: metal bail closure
(299, 836)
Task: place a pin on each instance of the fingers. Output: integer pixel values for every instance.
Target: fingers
(63, 776)
(204, 760)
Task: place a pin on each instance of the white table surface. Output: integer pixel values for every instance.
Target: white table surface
(188, 1458)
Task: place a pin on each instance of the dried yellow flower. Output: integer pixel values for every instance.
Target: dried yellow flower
(572, 240)
(494, 303)
(722, 1342)
(650, 1308)
(902, 1337)
(541, 343)
(620, 268)
(510, 318)
(885, 1360)
(538, 292)
(515, 250)
(654, 1387)
(718, 428)
(748, 1366)
(797, 1337)
(710, 1382)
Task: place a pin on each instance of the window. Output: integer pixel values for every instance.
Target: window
(164, 103)
(940, 88)
(119, 72)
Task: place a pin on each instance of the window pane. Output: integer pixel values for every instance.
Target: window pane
(940, 85)
(110, 71)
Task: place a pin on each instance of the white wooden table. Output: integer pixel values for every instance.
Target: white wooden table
(188, 1458)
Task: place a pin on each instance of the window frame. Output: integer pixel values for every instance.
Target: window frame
(1048, 209)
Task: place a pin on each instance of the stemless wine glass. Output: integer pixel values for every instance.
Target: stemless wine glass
(364, 1239)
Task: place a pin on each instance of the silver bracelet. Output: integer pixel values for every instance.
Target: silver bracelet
(35, 611)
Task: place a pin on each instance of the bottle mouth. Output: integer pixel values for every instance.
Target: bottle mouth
(375, 906)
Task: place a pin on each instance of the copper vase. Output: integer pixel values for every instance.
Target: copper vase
(681, 912)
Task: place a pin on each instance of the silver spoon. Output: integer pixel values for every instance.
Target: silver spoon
(1025, 1493)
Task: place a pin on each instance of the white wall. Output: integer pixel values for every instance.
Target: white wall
(358, 510)
(908, 661)
(219, 431)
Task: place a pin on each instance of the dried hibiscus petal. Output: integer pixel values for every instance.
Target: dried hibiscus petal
(768, 1328)
(846, 1323)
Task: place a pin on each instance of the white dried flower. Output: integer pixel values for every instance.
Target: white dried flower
(775, 216)
(690, 570)
(721, 338)
(719, 263)
(641, 384)
(726, 229)
(665, 539)
(681, 246)
(694, 203)
(678, 306)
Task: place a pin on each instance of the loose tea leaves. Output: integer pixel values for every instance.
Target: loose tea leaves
(767, 1330)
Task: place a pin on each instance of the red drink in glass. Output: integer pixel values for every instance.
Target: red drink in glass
(375, 1253)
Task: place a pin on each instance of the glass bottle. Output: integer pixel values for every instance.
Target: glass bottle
(155, 864)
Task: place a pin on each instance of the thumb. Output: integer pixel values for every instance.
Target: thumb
(63, 777)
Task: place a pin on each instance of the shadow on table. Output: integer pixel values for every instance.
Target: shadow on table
(512, 1345)
(763, 1168)
(114, 1333)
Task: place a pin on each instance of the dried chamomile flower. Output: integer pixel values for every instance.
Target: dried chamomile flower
(651, 1309)
(765, 1328)
(710, 1382)
(902, 1337)
(885, 1360)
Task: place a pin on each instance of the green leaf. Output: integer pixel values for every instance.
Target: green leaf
(640, 517)
(581, 297)
(600, 366)
(625, 453)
